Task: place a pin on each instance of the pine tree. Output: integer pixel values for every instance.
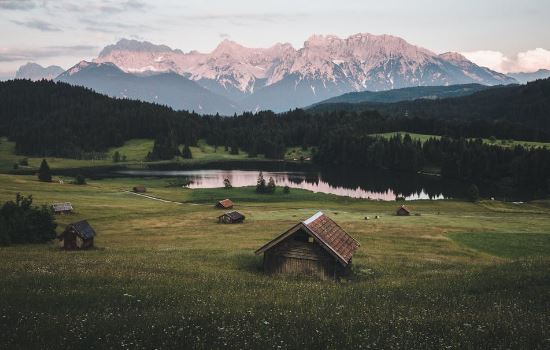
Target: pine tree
(260, 184)
(44, 173)
(186, 153)
(116, 157)
(271, 186)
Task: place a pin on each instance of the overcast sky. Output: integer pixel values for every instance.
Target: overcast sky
(506, 35)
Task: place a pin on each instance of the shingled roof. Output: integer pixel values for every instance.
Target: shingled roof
(82, 229)
(329, 235)
(226, 203)
(234, 215)
(57, 207)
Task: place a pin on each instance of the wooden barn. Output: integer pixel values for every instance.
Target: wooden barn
(403, 211)
(233, 217)
(314, 247)
(78, 235)
(225, 204)
(62, 208)
(139, 189)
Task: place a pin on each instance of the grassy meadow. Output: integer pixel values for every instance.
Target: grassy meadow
(498, 142)
(164, 274)
(135, 151)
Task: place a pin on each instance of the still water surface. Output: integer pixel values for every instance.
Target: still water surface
(342, 183)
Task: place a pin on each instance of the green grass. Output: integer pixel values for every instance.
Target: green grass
(135, 151)
(166, 275)
(298, 154)
(508, 245)
(503, 143)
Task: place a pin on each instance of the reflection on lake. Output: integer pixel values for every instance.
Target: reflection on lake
(342, 183)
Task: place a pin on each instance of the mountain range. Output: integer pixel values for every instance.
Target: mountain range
(524, 78)
(34, 71)
(236, 78)
(170, 89)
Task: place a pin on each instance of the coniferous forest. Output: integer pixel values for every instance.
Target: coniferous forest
(54, 119)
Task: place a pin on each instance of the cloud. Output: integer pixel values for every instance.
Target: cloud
(37, 24)
(527, 61)
(105, 26)
(224, 36)
(17, 4)
(14, 55)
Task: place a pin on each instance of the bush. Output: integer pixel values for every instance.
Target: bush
(24, 162)
(80, 180)
(286, 190)
(21, 222)
(15, 166)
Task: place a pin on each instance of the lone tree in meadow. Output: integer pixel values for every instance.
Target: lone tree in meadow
(44, 173)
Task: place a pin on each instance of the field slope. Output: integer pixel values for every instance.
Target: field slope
(166, 275)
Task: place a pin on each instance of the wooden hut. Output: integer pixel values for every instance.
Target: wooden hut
(139, 189)
(225, 204)
(403, 211)
(62, 208)
(78, 235)
(233, 217)
(315, 247)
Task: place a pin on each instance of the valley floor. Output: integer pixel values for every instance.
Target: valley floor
(166, 275)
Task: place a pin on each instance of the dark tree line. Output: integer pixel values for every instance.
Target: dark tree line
(46, 118)
(466, 160)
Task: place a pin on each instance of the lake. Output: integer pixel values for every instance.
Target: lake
(342, 182)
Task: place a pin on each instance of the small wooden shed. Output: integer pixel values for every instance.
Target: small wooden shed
(403, 211)
(233, 217)
(78, 235)
(314, 247)
(139, 189)
(225, 204)
(62, 208)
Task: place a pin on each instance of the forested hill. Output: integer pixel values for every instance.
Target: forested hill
(526, 104)
(407, 94)
(47, 118)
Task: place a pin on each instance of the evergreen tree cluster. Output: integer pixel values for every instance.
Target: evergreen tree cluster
(21, 222)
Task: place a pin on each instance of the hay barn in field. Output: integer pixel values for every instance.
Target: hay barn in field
(62, 208)
(233, 217)
(225, 204)
(139, 189)
(315, 247)
(78, 235)
(403, 211)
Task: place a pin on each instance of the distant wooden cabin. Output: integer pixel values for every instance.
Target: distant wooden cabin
(225, 204)
(62, 208)
(315, 247)
(233, 217)
(403, 211)
(78, 235)
(139, 189)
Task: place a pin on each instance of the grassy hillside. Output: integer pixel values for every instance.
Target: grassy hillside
(165, 274)
(135, 151)
(502, 143)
